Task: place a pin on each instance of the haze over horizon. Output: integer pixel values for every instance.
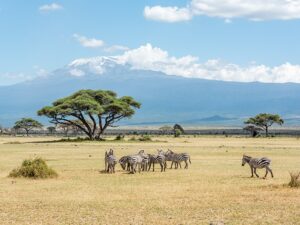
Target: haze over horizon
(194, 39)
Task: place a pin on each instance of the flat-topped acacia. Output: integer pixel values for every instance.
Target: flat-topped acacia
(91, 111)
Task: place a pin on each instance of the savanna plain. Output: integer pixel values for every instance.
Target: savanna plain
(214, 189)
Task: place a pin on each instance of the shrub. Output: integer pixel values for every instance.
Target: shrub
(132, 139)
(295, 179)
(145, 138)
(119, 137)
(34, 168)
(177, 132)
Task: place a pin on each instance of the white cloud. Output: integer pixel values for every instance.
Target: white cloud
(50, 7)
(13, 78)
(147, 57)
(88, 42)
(167, 14)
(255, 10)
(77, 73)
(115, 48)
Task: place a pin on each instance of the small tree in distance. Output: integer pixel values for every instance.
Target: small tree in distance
(253, 129)
(166, 129)
(51, 130)
(27, 124)
(265, 120)
(178, 130)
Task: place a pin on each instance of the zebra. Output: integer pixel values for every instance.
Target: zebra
(136, 160)
(124, 163)
(111, 161)
(178, 158)
(259, 163)
(159, 158)
(110, 152)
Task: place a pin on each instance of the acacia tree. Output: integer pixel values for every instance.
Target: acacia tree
(27, 124)
(91, 111)
(166, 129)
(265, 120)
(51, 130)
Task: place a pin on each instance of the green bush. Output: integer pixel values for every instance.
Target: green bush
(119, 137)
(34, 168)
(145, 138)
(295, 179)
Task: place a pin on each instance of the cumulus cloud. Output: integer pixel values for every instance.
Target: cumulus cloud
(255, 10)
(167, 14)
(147, 57)
(88, 42)
(50, 7)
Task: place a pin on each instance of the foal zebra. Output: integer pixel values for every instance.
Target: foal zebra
(178, 158)
(259, 163)
(110, 161)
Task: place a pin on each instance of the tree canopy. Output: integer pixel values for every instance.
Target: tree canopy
(265, 120)
(92, 111)
(27, 124)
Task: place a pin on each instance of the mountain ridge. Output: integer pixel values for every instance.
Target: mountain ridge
(163, 97)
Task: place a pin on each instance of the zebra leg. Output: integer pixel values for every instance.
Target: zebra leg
(128, 167)
(251, 171)
(255, 172)
(165, 166)
(153, 166)
(266, 173)
(271, 172)
(161, 166)
(179, 164)
(186, 165)
(172, 165)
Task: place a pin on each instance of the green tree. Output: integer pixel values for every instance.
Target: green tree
(51, 130)
(178, 127)
(177, 132)
(265, 120)
(27, 124)
(166, 129)
(91, 111)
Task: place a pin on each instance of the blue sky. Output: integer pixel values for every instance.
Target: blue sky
(41, 36)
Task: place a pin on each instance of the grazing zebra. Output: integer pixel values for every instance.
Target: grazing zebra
(259, 163)
(178, 158)
(111, 161)
(124, 163)
(159, 158)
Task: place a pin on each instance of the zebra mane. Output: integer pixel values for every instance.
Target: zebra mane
(247, 157)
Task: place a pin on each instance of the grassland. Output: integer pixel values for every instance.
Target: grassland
(214, 189)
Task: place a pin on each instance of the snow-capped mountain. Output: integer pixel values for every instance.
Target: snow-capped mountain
(164, 98)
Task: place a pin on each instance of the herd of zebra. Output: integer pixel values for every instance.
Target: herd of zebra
(143, 161)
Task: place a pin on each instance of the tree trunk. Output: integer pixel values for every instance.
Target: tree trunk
(267, 131)
(27, 132)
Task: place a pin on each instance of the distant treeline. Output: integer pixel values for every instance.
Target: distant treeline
(136, 131)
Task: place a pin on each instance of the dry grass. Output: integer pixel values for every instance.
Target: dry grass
(216, 189)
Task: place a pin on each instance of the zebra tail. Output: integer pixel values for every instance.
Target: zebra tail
(190, 160)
